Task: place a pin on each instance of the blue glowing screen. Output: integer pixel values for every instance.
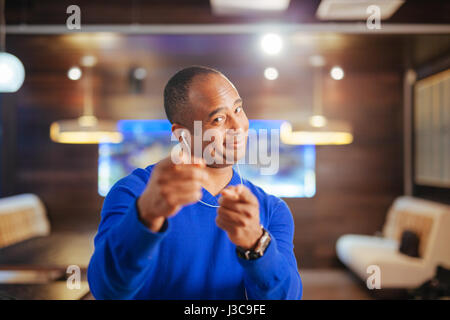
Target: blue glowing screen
(289, 174)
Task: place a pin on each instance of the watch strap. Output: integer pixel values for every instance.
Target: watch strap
(258, 250)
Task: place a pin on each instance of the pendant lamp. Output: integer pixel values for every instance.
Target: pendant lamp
(12, 72)
(87, 129)
(316, 129)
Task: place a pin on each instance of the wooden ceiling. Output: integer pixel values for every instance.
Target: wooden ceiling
(194, 12)
(48, 57)
(354, 52)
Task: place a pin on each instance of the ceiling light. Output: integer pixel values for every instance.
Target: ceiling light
(12, 73)
(271, 73)
(355, 10)
(302, 133)
(74, 73)
(337, 73)
(238, 7)
(140, 73)
(87, 129)
(317, 129)
(271, 43)
(92, 41)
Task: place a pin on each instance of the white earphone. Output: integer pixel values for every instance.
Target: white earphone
(183, 138)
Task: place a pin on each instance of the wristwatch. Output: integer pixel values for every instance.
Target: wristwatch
(258, 250)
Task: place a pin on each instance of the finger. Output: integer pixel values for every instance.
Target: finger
(232, 217)
(183, 156)
(245, 195)
(166, 163)
(199, 162)
(184, 198)
(230, 193)
(239, 207)
(181, 186)
(239, 193)
(225, 224)
(187, 172)
(188, 159)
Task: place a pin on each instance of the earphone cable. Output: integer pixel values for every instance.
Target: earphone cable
(214, 206)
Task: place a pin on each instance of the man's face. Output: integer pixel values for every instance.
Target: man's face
(217, 104)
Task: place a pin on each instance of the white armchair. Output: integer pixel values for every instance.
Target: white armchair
(430, 220)
(22, 217)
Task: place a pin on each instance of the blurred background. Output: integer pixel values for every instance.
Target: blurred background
(365, 161)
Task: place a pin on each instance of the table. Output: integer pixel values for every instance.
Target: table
(51, 291)
(59, 249)
(50, 256)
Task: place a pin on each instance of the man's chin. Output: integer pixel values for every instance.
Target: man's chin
(224, 162)
(219, 166)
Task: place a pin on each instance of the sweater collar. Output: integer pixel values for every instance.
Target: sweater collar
(213, 200)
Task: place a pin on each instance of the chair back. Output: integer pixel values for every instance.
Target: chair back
(22, 217)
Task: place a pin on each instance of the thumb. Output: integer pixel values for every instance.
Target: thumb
(185, 156)
(199, 162)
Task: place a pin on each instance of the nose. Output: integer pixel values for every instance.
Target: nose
(236, 124)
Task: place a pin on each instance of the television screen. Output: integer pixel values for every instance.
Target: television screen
(281, 170)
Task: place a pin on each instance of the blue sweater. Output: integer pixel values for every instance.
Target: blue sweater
(190, 258)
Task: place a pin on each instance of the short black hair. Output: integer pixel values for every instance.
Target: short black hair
(176, 92)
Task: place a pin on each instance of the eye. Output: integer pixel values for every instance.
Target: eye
(238, 109)
(218, 119)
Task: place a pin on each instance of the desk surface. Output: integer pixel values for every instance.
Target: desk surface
(51, 291)
(47, 254)
(57, 250)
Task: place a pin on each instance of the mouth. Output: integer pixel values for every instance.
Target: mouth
(238, 143)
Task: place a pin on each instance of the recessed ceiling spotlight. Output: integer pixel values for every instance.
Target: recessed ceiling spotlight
(337, 73)
(271, 43)
(74, 73)
(140, 73)
(271, 73)
(247, 7)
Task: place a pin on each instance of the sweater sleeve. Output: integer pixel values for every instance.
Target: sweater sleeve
(275, 276)
(124, 247)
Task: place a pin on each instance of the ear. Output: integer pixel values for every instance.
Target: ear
(178, 130)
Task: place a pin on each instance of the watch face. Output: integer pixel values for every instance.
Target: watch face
(263, 243)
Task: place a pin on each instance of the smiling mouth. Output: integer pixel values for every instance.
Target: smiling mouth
(238, 143)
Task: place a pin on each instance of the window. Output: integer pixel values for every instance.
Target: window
(432, 130)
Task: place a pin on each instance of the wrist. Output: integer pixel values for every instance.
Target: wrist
(154, 223)
(258, 250)
(254, 242)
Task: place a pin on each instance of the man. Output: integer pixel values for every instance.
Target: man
(180, 230)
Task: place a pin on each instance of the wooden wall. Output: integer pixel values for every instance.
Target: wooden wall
(355, 183)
